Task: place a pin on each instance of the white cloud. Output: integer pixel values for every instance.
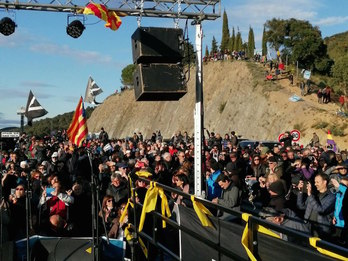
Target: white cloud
(65, 50)
(329, 21)
(36, 84)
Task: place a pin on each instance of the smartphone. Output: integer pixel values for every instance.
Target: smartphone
(49, 192)
(13, 191)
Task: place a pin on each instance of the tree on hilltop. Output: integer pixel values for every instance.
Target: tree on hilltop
(214, 47)
(225, 33)
(127, 75)
(238, 42)
(264, 42)
(232, 40)
(251, 43)
(340, 73)
(206, 52)
(302, 40)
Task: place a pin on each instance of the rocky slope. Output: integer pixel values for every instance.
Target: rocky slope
(236, 97)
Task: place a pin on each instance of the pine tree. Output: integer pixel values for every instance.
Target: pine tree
(238, 42)
(206, 52)
(225, 33)
(214, 47)
(235, 43)
(251, 43)
(264, 42)
(232, 40)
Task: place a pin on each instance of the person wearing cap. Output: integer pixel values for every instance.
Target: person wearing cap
(53, 166)
(273, 167)
(285, 218)
(341, 172)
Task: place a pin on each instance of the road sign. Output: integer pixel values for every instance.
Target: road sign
(281, 135)
(296, 135)
(10, 134)
(307, 74)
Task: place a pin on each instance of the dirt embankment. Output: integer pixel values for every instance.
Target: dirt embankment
(235, 98)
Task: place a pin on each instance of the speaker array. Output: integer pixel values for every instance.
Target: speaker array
(158, 54)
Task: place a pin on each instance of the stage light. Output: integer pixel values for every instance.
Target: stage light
(75, 29)
(7, 26)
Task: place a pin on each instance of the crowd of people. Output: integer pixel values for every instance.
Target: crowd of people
(303, 188)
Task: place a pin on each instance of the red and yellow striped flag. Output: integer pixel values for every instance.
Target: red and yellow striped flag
(112, 20)
(77, 131)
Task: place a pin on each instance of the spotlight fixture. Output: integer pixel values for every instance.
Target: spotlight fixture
(7, 26)
(75, 29)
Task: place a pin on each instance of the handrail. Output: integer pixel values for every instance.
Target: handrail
(329, 247)
(195, 235)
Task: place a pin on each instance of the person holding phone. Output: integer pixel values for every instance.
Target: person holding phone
(56, 202)
(18, 213)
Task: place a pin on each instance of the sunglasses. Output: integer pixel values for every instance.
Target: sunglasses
(256, 159)
(109, 200)
(20, 189)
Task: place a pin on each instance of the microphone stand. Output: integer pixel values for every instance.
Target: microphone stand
(1, 208)
(28, 216)
(95, 187)
(94, 217)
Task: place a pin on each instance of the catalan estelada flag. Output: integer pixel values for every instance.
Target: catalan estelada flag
(112, 20)
(330, 141)
(77, 131)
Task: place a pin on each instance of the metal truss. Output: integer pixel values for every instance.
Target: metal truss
(183, 9)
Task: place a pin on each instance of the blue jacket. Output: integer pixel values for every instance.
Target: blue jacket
(338, 205)
(214, 190)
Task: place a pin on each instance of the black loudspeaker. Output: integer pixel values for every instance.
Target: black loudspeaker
(62, 249)
(157, 45)
(159, 82)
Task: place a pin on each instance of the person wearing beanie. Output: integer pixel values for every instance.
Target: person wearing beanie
(277, 193)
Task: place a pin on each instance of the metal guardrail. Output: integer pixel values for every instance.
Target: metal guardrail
(253, 224)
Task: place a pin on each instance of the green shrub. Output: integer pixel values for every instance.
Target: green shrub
(337, 130)
(320, 125)
(222, 106)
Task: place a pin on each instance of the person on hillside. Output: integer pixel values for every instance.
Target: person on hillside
(342, 101)
(320, 96)
(103, 136)
(328, 95)
(302, 88)
(315, 140)
(234, 138)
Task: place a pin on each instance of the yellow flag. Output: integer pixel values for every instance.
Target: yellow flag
(202, 212)
(164, 205)
(149, 205)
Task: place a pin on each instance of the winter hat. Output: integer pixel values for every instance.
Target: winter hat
(277, 187)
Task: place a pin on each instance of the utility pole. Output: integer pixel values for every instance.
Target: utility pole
(21, 112)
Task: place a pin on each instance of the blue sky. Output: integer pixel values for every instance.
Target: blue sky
(41, 57)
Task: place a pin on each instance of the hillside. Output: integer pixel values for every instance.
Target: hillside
(337, 45)
(236, 97)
